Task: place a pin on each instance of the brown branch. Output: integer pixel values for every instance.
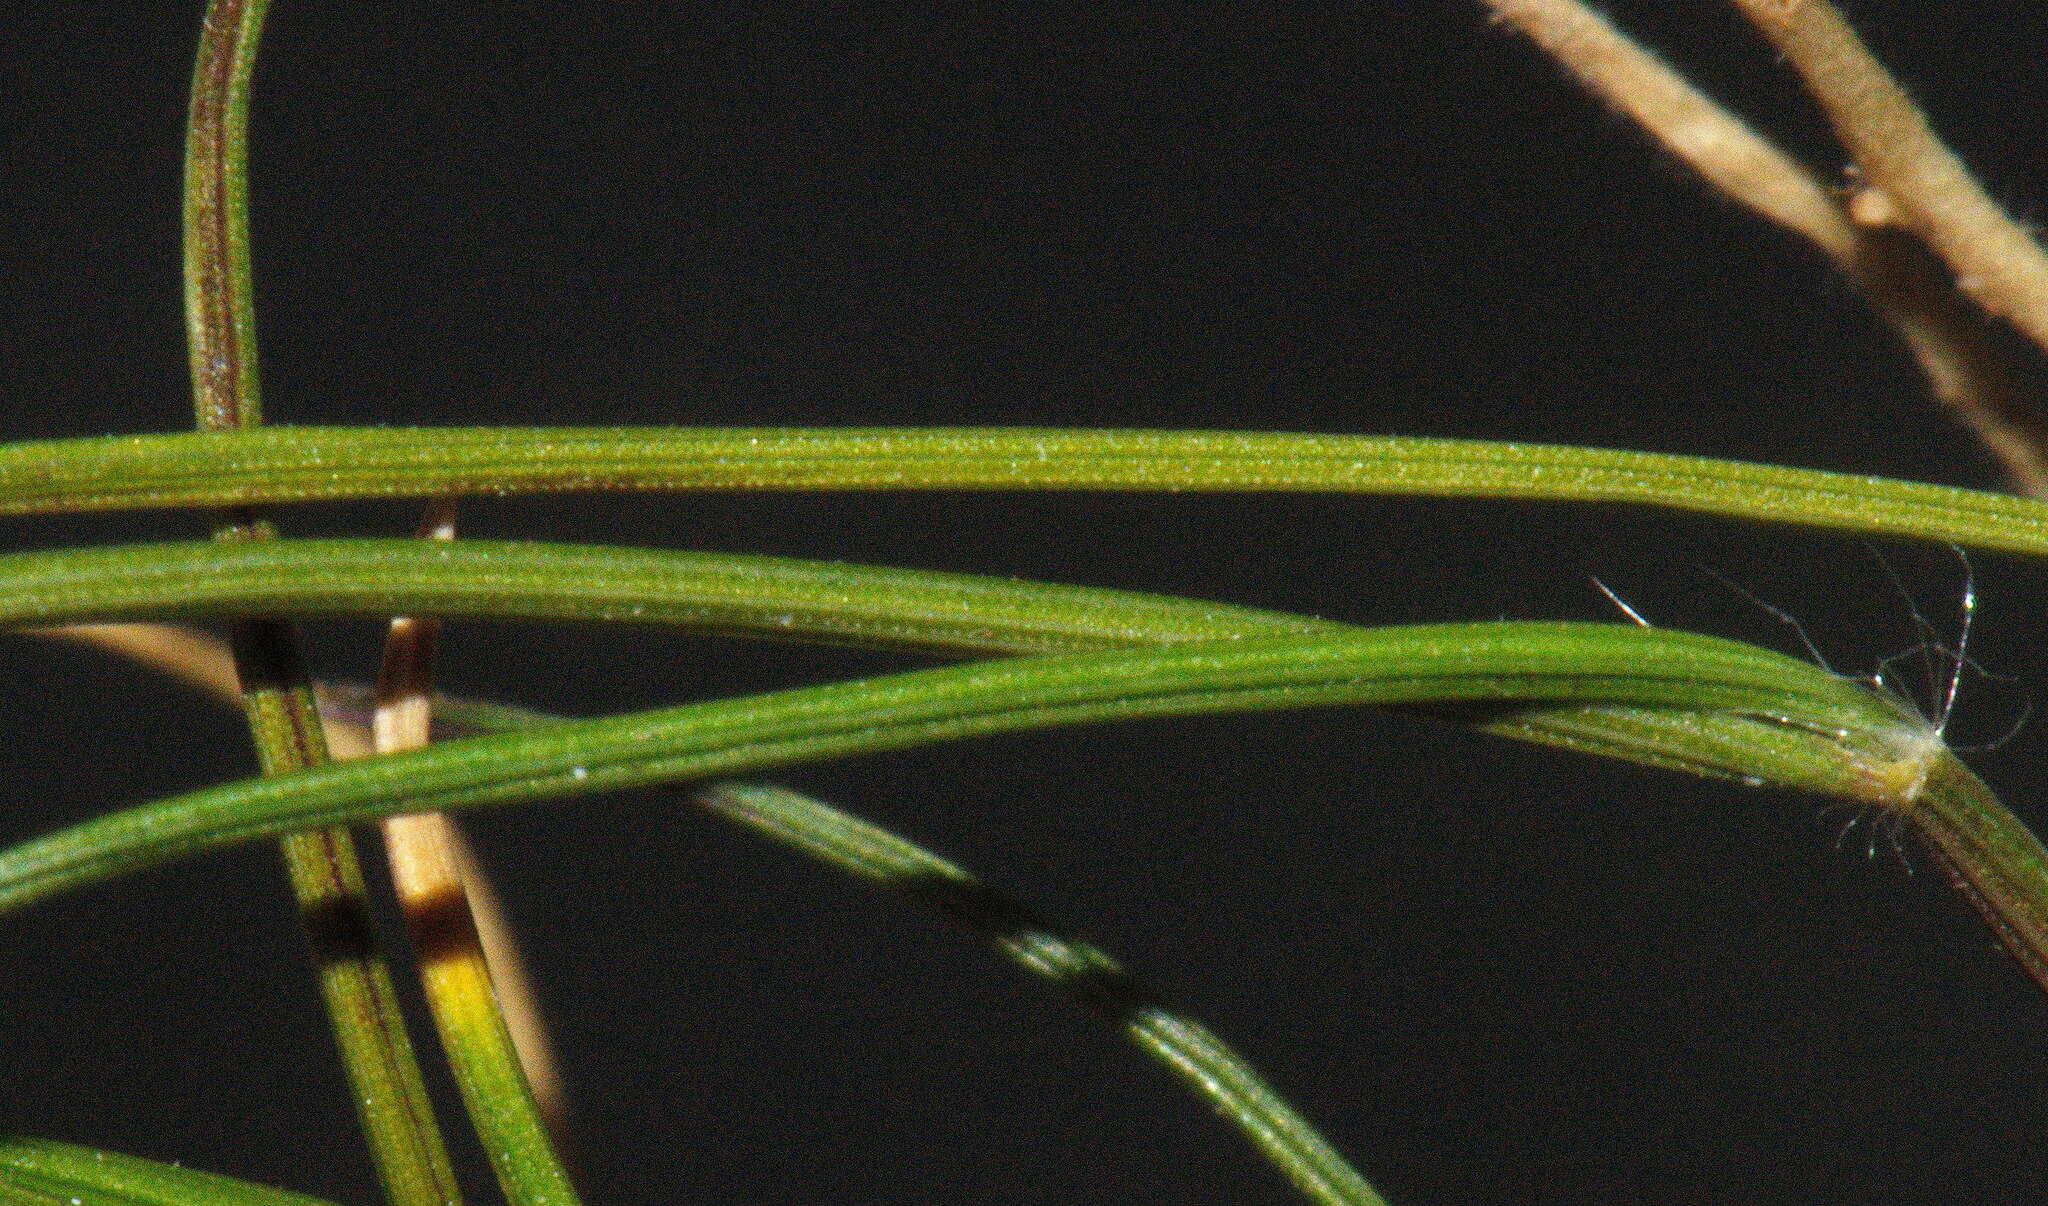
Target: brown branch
(1944, 333)
(1706, 137)
(1997, 261)
(1958, 356)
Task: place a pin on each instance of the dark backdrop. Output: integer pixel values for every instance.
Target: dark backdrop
(1495, 974)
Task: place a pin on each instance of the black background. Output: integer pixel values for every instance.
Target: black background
(1493, 973)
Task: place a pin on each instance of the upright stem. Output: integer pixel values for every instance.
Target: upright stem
(325, 873)
(220, 306)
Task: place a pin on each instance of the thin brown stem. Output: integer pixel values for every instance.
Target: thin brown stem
(1745, 166)
(1997, 262)
(1947, 337)
(220, 319)
(1944, 333)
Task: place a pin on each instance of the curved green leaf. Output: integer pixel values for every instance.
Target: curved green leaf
(759, 596)
(42, 1171)
(1187, 1048)
(1989, 854)
(960, 613)
(726, 593)
(286, 464)
(1826, 733)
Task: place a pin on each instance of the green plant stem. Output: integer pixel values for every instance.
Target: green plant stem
(432, 886)
(325, 873)
(355, 981)
(302, 464)
(708, 592)
(485, 1063)
(945, 613)
(481, 1054)
(1188, 1049)
(1836, 736)
(1992, 859)
(220, 311)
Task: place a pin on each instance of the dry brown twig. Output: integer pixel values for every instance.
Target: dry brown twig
(1688, 123)
(1861, 236)
(1997, 261)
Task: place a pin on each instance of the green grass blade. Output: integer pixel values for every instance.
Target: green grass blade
(42, 1171)
(942, 612)
(1990, 856)
(1188, 1049)
(781, 597)
(827, 601)
(302, 579)
(1836, 736)
(284, 464)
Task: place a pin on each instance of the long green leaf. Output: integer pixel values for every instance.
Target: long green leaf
(1187, 1048)
(285, 464)
(1831, 735)
(782, 597)
(1993, 855)
(761, 596)
(42, 1171)
(813, 600)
